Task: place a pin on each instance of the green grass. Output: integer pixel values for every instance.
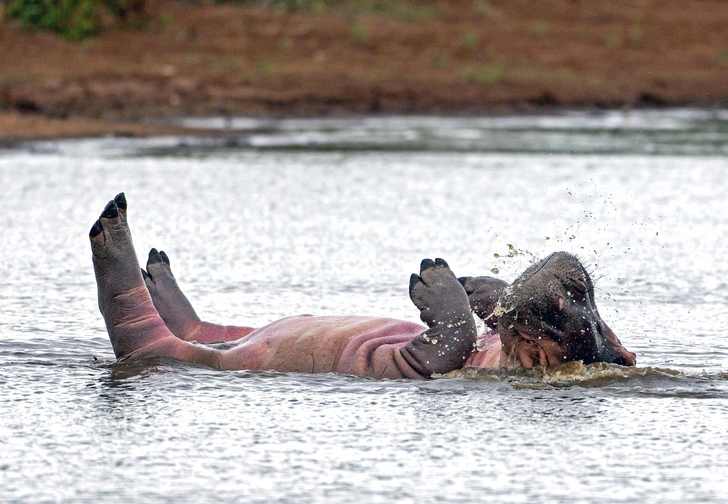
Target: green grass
(601, 84)
(165, 20)
(485, 8)
(541, 28)
(73, 19)
(612, 41)
(489, 75)
(358, 33)
(470, 40)
(14, 78)
(530, 73)
(264, 68)
(636, 34)
(404, 11)
(438, 61)
(285, 45)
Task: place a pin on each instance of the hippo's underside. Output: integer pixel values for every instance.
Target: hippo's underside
(546, 317)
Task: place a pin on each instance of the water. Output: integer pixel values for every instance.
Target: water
(331, 217)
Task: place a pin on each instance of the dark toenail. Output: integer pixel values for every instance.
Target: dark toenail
(154, 257)
(441, 262)
(120, 201)
(414, 280)
(110, 211)
(145, 275)
(165, 259)
(426, 263)
(463, 281)
(96, 229)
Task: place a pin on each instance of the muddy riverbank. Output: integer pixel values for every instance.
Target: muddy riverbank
(359, 57)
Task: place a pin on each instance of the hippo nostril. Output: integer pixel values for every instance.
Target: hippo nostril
(620, 361)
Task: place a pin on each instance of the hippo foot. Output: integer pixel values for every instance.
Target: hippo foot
(431, 289)
(111, 243)
(483, 294)
(169, 300)
(158, 276)
(444, 307)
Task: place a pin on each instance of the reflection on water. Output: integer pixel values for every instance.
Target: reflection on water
(329, 217)
(665, 132)
(670, 132)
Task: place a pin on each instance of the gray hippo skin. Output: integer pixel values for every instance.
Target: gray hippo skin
(548, 316)
(147, 315)
(483, 294)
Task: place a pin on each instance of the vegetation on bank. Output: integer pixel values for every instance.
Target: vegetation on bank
(317, 57)
(74, 19)
(79, 19)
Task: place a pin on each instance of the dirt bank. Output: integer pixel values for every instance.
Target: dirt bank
(364, 57)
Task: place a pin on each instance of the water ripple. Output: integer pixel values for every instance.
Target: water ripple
(331, 217)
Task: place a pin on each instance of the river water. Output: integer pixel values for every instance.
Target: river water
(274, 218)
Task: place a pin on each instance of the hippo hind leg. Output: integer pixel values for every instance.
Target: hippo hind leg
(177, 311)
(444, 307)
(131, 319)
(169, 300)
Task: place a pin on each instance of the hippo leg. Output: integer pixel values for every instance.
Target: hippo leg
(172, 305)
(134, 326)
(444, 307)
(483, 294)
(176, 310)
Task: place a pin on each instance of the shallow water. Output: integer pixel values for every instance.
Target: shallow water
(331, 217)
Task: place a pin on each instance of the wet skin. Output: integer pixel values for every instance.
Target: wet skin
(147, 315)
(548, 316)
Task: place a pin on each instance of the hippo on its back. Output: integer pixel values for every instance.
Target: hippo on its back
(546, 317)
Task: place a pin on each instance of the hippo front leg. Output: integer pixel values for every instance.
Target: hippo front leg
(444, 307)
(483, 294)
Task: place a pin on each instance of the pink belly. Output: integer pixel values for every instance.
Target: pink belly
(363, 346)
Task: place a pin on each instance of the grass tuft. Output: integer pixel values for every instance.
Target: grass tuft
(470, 40)
(359, 33)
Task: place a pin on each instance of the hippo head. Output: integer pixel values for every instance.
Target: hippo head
(548, 317)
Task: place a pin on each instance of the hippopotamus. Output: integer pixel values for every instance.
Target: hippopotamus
(545, 318)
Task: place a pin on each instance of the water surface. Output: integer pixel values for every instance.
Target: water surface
(330, 217)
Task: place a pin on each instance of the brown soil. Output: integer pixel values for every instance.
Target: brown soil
(458, 56)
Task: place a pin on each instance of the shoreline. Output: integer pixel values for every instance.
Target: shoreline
(451, 58)
(20, 128)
